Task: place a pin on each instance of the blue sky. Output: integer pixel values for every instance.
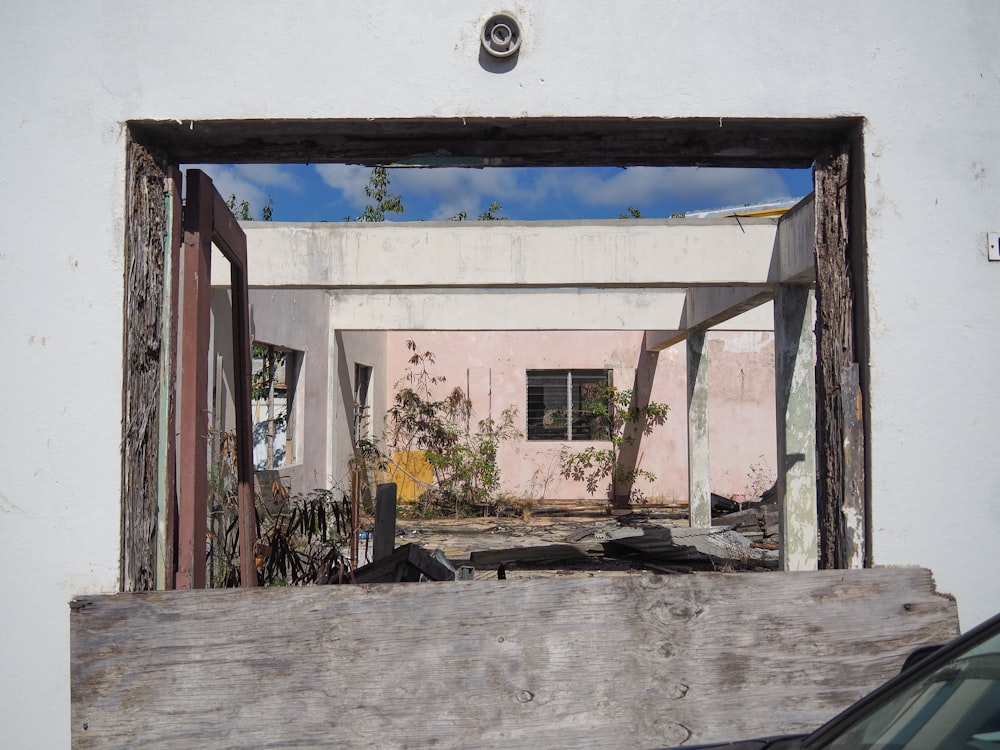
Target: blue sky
(330, 192)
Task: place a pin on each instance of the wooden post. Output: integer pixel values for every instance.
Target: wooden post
(143, 413)
(207, 220)
(839, 402)
(851, 545)
(355, 513)
(192, 455)
(385, 520)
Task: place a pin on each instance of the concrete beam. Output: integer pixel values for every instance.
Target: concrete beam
(668, 252)
(718, 308)
(522, 309)
(708, 307)
(794, 260)
(657, 341)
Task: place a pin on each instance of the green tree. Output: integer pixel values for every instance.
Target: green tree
(263, 381)
(383, 201)
(492, 213)
(241, 209)
(633, 213)
(464, 461)
(625, 422)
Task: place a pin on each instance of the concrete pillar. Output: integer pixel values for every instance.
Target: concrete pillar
(699, 480)
(795, 401)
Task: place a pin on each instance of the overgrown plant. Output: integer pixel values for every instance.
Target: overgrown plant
(760, 479)
(624, 421)
(299, 536)
(464, 461)
(383, 201)
(241, 208)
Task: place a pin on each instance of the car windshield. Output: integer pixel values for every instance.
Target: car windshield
(955, 707)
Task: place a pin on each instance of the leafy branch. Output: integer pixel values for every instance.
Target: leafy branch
(625, 421)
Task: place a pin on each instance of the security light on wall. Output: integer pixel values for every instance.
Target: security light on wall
(501, 35)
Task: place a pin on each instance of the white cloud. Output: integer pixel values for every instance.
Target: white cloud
(269, 175)
(645, 185)
(454, 189)
(252, 183)
(348, 179)
(228, 181)
(444, 192)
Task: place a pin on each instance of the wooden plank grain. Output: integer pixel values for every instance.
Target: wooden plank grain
(629, 662)
(145, 253)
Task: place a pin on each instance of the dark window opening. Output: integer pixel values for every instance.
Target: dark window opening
(275, 423)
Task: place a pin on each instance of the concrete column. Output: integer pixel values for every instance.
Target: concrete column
(794, 383)
(699, 481)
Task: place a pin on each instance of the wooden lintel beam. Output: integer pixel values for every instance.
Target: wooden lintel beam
(498, 141)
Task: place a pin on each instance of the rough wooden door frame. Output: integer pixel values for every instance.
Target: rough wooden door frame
(796, 142)
(841, 435)
(143, 382)
(208, 221)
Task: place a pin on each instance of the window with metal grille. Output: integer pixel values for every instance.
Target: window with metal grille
(560, 404)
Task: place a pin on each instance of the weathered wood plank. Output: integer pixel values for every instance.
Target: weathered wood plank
(839, 433)
(499, 141)
(145, 252)
(617, 662)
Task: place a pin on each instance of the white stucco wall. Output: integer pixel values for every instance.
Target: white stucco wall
(924, 75)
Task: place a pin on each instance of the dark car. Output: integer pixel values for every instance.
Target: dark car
(945, 698)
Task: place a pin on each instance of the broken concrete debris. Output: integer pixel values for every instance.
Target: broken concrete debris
(610, 547)
(409, 563)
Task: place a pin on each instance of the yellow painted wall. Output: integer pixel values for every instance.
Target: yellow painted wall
(412, 473)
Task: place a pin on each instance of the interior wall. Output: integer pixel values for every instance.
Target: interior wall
(289, 319)
(299, 319)
(353, 348)
(923, 77)
(491, 366)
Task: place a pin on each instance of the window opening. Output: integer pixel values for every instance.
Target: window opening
(562, 404)
(528, 142)
(362, 404)
(275, 372)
